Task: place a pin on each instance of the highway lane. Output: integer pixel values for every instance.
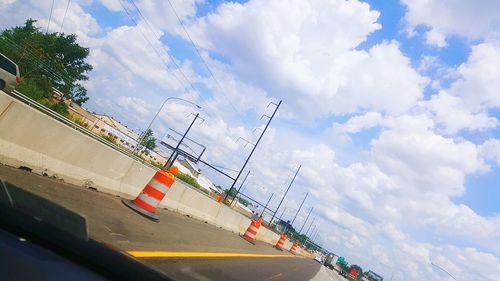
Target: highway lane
(238, 269)
(334, 276)
(110, 222)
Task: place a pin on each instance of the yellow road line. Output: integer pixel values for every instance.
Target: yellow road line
(160, 254)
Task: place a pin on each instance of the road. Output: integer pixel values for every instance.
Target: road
(327, 274)
(181, 247)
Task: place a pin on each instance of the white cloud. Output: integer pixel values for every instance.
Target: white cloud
(394, 204)
(454, 114)
(479, 82)
(354, 125)
(470, 19)
(306, 55)
(427, 161)
(77, 20)
(490, 149)
(161, 15)
(112, 5)
(137, 106)
(465, 104)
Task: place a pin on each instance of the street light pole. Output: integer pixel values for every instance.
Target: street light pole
(253, 149)
(300, 207)
(286, 192)
(156, 115)
(312, 208)
(174, 154)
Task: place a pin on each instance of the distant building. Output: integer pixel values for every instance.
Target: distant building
(105, 125)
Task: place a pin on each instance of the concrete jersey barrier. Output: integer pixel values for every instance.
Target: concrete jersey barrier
(31, 139)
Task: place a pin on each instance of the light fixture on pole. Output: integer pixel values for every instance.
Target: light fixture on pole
(156, 115)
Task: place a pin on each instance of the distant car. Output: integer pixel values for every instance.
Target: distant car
(9, 74)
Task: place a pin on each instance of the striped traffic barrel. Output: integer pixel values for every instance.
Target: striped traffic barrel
(252, 230)
(293, 250)
(151, 195)
(281, 242)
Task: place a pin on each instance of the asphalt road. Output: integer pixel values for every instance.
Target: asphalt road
(173, 238)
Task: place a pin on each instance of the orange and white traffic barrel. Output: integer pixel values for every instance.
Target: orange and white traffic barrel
(281, 242)
(152, 194)
(252, 230)
(293, 250)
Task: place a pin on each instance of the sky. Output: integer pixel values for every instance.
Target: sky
(391, 107)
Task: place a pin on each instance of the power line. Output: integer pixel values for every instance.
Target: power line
(64, 18)
(201, 57)
(154, 33)
(41, 64)
(157, 52)
(50, 16)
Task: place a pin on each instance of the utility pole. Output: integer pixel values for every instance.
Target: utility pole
(174, 154)
(286, 192)
(312, 208)
(254, 147)
(309, 228)
(315, 234)
(284, 209)
(238, 191)
(312, 232)
(263, 210)
(300, 207)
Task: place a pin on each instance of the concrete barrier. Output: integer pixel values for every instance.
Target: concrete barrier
(32, 139)
(36, 141)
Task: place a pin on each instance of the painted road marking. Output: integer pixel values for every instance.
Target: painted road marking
(159, 254)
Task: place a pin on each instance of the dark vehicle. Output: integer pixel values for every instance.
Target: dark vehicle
(342, 273)
(329, 261)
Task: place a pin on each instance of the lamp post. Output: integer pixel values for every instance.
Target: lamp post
(156, 115)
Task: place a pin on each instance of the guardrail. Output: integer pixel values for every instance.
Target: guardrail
(70, 123)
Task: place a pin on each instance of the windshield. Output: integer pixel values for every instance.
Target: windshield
(250, 140)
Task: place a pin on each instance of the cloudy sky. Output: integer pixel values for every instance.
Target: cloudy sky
(391, 107)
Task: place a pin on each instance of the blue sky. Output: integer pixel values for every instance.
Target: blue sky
(397, 134)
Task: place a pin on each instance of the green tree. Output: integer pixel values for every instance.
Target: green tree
(191, 181)
(47, 60)
(148, 140)
(232, 193)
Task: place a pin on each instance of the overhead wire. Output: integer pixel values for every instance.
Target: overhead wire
(202, 59)
(64, 18)
(130, 16)
(49, 69)
(178, 68)
(50, 16)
